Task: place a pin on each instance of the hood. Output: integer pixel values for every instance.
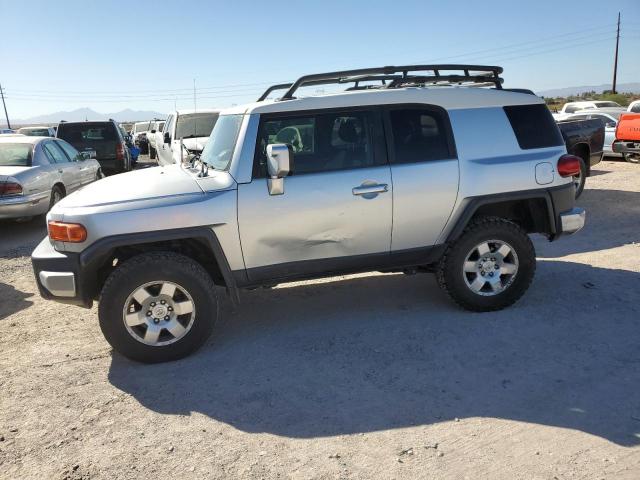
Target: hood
(6, 172)
(197, 143)
(139, 185)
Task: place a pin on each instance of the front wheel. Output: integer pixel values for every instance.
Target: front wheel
(158, 307)
(489, 267)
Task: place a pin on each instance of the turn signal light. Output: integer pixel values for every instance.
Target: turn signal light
(569, 165)
(67, 232)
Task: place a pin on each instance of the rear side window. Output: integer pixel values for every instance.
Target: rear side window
(71, 152)
(54, 153)
(534, 126)
(636, 108)
(87, 132)
(420, 135)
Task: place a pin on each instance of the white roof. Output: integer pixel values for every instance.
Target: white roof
(450, 98)
(34, 128)
(187, 111)
(21, 139)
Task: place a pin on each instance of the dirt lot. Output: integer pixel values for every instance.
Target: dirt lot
(366, 376)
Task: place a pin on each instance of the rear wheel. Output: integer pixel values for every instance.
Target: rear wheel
(580, 179)
(632, 157)
(489, 267)
(158, 307)
(57, 194)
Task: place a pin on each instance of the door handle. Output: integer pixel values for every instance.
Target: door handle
(369, 189)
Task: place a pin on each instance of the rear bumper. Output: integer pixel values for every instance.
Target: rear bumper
(24, 206)
(626, 147)
(58, 275)
(572, 221)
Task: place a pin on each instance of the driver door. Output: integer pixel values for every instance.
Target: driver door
(335, 213)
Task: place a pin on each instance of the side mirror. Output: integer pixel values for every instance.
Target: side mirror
(84, 156)
(279, 165)
(153, 131)
(167, 137)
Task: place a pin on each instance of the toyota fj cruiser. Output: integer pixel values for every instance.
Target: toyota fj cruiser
(409, 169)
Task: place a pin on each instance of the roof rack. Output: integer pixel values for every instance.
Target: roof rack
(398, 76)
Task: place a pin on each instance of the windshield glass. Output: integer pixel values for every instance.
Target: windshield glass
(15, 154)
(607, 104)
(141, 127)
(34, 132)
(218, 151)
(195, 125)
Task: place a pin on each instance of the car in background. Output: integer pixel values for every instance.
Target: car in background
(190, 126)
(134, 151)
(583, 139)
(156, 127)
(6, 131)
(627, 140)
(139, 133)
(37, 131)
(610, 117)
(573, 107)
(37, 172)
(103, 140)
(634, 107)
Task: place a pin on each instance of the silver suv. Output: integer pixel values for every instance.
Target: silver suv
(409, 170)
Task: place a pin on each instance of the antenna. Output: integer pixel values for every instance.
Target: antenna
(194, 95)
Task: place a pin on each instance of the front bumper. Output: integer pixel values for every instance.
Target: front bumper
(58, 275)
(24, 206)
(572, 221)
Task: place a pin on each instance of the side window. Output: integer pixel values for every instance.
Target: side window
(420, 135)
(534, 126)
(54, 153)
(321, 142)
(71, 152)
(168, 125)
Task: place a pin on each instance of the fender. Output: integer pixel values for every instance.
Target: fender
(94, 257)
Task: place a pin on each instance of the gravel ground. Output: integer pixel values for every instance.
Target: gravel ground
(363, 376)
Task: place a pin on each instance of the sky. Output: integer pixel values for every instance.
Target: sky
(145, 55)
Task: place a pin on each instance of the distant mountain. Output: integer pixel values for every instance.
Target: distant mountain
(82, 114)
(565, 92)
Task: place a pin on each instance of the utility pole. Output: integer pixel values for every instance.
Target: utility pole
(5, 107)
(615, 62)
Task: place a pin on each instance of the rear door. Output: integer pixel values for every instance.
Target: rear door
(87, 168)
(68, 170)
(424, 167)
(335, 213)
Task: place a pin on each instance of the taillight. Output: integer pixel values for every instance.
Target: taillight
(67, 232)
(569, 165)
(10, 188)
(120, 152)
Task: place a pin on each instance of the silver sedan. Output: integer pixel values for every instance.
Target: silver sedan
(37, 172)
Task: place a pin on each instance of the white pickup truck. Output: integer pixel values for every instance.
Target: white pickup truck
(190, 126)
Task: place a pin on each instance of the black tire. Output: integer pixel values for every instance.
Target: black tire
(57, 194)
(581, 179)
(99, 175)
(152, 153)
(450, 272)
(632, 157)
(157, 267)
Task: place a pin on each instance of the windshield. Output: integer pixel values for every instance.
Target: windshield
(195, 125)
(34, 132)
(607, 104)
(141, 127)
(218, 151)
(15, 154)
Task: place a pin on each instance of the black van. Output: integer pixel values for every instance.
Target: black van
(102, 139)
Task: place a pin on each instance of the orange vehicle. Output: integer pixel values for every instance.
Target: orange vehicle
(628, 137)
